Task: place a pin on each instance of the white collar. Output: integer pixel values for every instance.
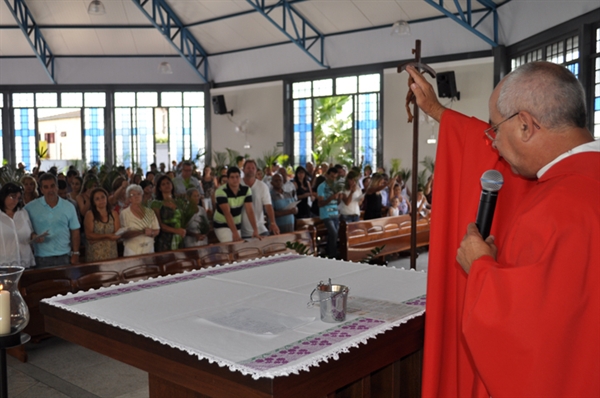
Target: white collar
(593, 146)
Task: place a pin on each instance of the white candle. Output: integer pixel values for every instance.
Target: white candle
(4, 311)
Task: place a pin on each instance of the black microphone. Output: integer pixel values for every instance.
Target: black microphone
(491, 182)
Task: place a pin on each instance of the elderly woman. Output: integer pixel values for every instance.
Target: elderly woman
(15, 228)
(140, 222)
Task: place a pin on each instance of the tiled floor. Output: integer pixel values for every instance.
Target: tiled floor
(59, 369)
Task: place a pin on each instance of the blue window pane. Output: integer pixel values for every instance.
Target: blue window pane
(94, 135)
(25, 137)
(302, 131)
(366, 128)
(123, 132)
(176, 134)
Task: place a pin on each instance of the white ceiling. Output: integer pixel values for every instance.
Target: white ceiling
(116, 37)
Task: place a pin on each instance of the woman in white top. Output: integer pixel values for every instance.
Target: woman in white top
(352, 198)
(16, 231)
(140, 222)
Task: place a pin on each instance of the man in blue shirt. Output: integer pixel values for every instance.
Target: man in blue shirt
(57, 217)
(328, 210)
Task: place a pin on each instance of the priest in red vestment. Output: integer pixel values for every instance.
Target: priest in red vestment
(516, 315)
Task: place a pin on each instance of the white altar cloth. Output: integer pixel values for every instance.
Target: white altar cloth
(253, 316)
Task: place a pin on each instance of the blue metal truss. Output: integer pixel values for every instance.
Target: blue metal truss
(465, 18)
(298, 23)
(169, 24)
(33, 34)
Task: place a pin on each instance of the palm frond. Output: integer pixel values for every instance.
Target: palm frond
(428, 163)
(298, 247)
(372, 255)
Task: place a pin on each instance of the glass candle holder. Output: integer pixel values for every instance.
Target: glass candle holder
(14, 314)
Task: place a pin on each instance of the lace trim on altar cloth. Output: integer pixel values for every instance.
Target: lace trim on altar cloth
(284, 361)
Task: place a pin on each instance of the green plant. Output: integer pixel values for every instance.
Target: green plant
(268, 158)
(336, 186)
(41, 153)
(332, 131)
(405, 174)
(298, 247)
(428, 163)
(395, 168)
(10, 174)
(372, 255)
(232, 154)
(220, 159)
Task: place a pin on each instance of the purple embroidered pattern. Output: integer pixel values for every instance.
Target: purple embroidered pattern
(306, 347)
(421, 300)
(136, 287)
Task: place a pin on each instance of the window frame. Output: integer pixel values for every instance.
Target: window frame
(334, 75)
(584, 27)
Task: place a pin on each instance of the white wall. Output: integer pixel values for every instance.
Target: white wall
(262, 105)
(474, 81)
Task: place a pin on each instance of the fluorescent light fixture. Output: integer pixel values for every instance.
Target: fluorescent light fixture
(165, 68)
(431, 140)
(96, 8)
(400, 28)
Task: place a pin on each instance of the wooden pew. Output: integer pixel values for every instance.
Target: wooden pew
(358, 239)
(38, 284)
(317, 228)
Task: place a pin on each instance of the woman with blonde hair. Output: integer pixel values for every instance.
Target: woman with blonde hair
(30, 188)
(352, 198)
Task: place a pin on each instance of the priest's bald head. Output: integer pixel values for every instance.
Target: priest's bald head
(537, 113)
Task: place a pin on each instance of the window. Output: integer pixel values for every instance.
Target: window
(563, 52)
(49, 126)
(337, 120)
(158, 127)
(566, 45)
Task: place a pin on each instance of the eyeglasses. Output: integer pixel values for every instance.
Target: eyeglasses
(493, 131)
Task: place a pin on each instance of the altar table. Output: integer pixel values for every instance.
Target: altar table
(245, 329)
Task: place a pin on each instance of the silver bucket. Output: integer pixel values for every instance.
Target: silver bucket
(332, 301)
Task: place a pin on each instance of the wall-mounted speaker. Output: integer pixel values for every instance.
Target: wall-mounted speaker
(446, 84)
(219, 106)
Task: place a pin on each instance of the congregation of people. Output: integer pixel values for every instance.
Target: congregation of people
(50, 218)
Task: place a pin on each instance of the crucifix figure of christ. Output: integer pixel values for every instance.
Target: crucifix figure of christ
(410, 99)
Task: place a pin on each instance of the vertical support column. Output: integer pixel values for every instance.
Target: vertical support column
(501, 63)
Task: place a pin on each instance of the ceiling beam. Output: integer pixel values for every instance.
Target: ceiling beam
(170, 26)
(33, 34)
(299, 26)
(465, 17)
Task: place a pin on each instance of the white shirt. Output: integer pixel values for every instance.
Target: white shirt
(593, 146)
(353, 208)
(141, 244)
(260, 197)
(15, 234)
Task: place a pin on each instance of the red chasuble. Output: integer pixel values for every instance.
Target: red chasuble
(527, 325)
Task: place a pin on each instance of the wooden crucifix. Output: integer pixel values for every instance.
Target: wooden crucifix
(410, 99)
